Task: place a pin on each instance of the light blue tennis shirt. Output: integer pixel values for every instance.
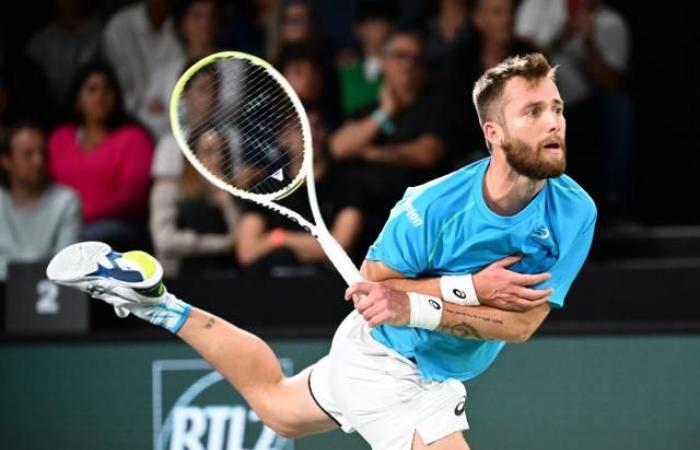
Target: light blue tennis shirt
(445, 227)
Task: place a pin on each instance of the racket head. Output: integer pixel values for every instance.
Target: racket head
(239, 122)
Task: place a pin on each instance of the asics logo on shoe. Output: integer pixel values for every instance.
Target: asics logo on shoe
(117, 273)
(94, 289)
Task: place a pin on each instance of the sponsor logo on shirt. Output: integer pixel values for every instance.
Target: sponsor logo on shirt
(413, 215)
(542, 233)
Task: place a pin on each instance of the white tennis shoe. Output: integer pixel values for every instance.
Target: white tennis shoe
(131, 282)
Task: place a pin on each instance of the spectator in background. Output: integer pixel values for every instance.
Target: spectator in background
(70, 40)
(302, 66)
(442, 30)
(193, 222)
(397, 142)
(360, 79)
(196, 22)
(266, 239)
(37, 218)
(136, 41)
(591, 44)
(296, 25)
(540, 21)
(105, 158)
(248, 29)
(201, 100)
(23, 89)
(489, 41)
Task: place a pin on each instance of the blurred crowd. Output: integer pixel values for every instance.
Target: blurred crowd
(87, 152)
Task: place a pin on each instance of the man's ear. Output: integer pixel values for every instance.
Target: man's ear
(493, 133)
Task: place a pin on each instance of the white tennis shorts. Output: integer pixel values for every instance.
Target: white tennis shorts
(365, 386)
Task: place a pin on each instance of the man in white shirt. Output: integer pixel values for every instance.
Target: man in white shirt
(136, 41)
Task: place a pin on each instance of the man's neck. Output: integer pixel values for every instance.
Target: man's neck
(506, 192)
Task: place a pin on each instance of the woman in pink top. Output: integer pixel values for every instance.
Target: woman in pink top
(105, 157)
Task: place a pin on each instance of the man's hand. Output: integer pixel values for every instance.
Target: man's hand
(387, 100)
(380, 304)
(501, 288)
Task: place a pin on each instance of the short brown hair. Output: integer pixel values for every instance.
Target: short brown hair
(488, 89)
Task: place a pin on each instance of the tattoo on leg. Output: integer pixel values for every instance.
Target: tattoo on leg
(210, 323)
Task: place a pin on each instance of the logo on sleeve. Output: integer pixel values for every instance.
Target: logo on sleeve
(413, 215)
(434, 304)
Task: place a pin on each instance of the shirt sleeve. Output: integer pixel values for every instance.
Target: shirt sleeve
(568, 266)
(404, 243)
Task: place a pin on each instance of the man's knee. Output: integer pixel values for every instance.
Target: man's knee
(288, 409)
(286, 429)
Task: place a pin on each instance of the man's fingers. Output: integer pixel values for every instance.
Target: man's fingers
(379, 319)
(508, 261)
(365, 302)
(533, 294)
(372, 311)
(531, 279)
(540, 301)
(361, 287)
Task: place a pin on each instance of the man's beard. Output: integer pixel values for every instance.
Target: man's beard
(530, 162)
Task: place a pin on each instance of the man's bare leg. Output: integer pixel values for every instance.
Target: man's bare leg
(248, 363)
(131, 283)
(454, 441)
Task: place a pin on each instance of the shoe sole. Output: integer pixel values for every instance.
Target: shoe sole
(76, 262)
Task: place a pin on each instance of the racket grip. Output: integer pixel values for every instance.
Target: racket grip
(341, 261)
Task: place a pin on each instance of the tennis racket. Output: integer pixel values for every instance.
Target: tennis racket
(242, 126)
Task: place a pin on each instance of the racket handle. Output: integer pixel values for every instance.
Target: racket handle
(339, 258)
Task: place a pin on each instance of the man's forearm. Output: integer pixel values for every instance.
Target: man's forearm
(427, 286)
(352, 138)
(469, 322)
(487, 323)
(304, 246)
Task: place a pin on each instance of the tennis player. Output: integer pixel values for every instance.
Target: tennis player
(446, 291)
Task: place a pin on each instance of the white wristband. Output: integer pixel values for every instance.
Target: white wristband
(459, 289)
(426, 311)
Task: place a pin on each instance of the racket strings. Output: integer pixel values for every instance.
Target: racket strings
(252, 109)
